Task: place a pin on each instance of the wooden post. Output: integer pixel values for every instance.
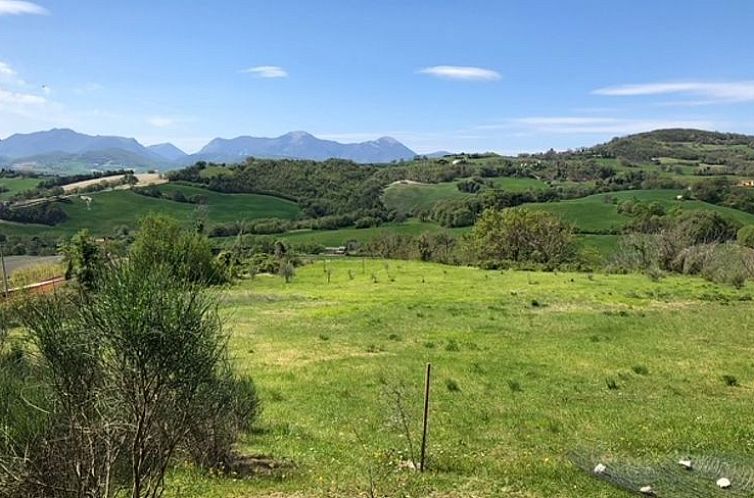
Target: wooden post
(5, 273)
(426, 417)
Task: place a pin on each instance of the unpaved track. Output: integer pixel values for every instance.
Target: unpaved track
(145, 179)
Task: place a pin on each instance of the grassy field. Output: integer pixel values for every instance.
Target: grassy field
(15, 263)
(16, 185)
(335, 238)
(522, 368)
(116, 208)
(595, 214)
(406, 197)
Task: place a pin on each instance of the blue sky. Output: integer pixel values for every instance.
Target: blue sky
(469, 75)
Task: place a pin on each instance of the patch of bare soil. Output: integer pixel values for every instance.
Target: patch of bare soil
(249, 466)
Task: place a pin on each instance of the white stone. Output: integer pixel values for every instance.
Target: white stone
(723, 483)
(647, 490)
(600, 469)
(685, 464)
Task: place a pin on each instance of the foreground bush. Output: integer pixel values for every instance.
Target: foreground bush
(136, 373)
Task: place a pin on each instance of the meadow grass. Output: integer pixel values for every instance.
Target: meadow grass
(527, 367)
(335, 238)
(16, 185)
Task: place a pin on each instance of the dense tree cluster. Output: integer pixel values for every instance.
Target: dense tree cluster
(43, 213)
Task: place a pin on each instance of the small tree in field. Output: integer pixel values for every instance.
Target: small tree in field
(162, 241)
(84, 259)
(522, 236)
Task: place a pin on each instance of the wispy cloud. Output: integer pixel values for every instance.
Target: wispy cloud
(721, 92)
(9, 98)
(161, 121)
(6, 70)
(267, 72)
(88, 88)
(9, 75)
(18, 7)
(596, 125)
(465, 73)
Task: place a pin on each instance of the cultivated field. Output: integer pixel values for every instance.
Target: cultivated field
(528, 367)
(16, 185)
(144, 180)
(109, 210)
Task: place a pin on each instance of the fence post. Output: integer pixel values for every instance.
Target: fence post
(426, 417)
(5, 273)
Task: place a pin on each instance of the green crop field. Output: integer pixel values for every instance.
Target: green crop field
(334, 238)
(522, 365)
(16, 185)
(596, 214)
(405, 197)
(112, 209)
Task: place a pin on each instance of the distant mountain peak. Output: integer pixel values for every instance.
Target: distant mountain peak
(167, 151)
(387, 140)
(298, 135)
(303, 145)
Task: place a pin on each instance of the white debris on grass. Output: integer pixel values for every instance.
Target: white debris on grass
(723, 483)
(600, 469)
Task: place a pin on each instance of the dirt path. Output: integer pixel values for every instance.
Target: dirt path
(406, 182)
(145, 179)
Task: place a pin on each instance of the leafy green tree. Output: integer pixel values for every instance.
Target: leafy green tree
(162, 241)
(714, 190)
(522, 235)
(745, 236)
(705, 227)
(84, 259)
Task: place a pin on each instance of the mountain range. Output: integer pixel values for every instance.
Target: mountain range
(66, 151)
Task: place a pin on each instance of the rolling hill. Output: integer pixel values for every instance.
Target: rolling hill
(112, 209)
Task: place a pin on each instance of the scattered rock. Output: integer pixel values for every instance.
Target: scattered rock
(647, 491)
(723, 483)
(686, 464)
(600, 469)
(406, 465)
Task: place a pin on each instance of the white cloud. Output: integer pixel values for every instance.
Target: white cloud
(466, 73)
(161, 121)
(9, 75)
(88, 88)
(597, 126)
(6, 70)
(267, 72)
(17, 7)
(8, 98)
(734, 91)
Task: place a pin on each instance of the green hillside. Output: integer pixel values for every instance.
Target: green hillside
(16, 185)
(405, 197)
(598, 214)
(124, 208)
